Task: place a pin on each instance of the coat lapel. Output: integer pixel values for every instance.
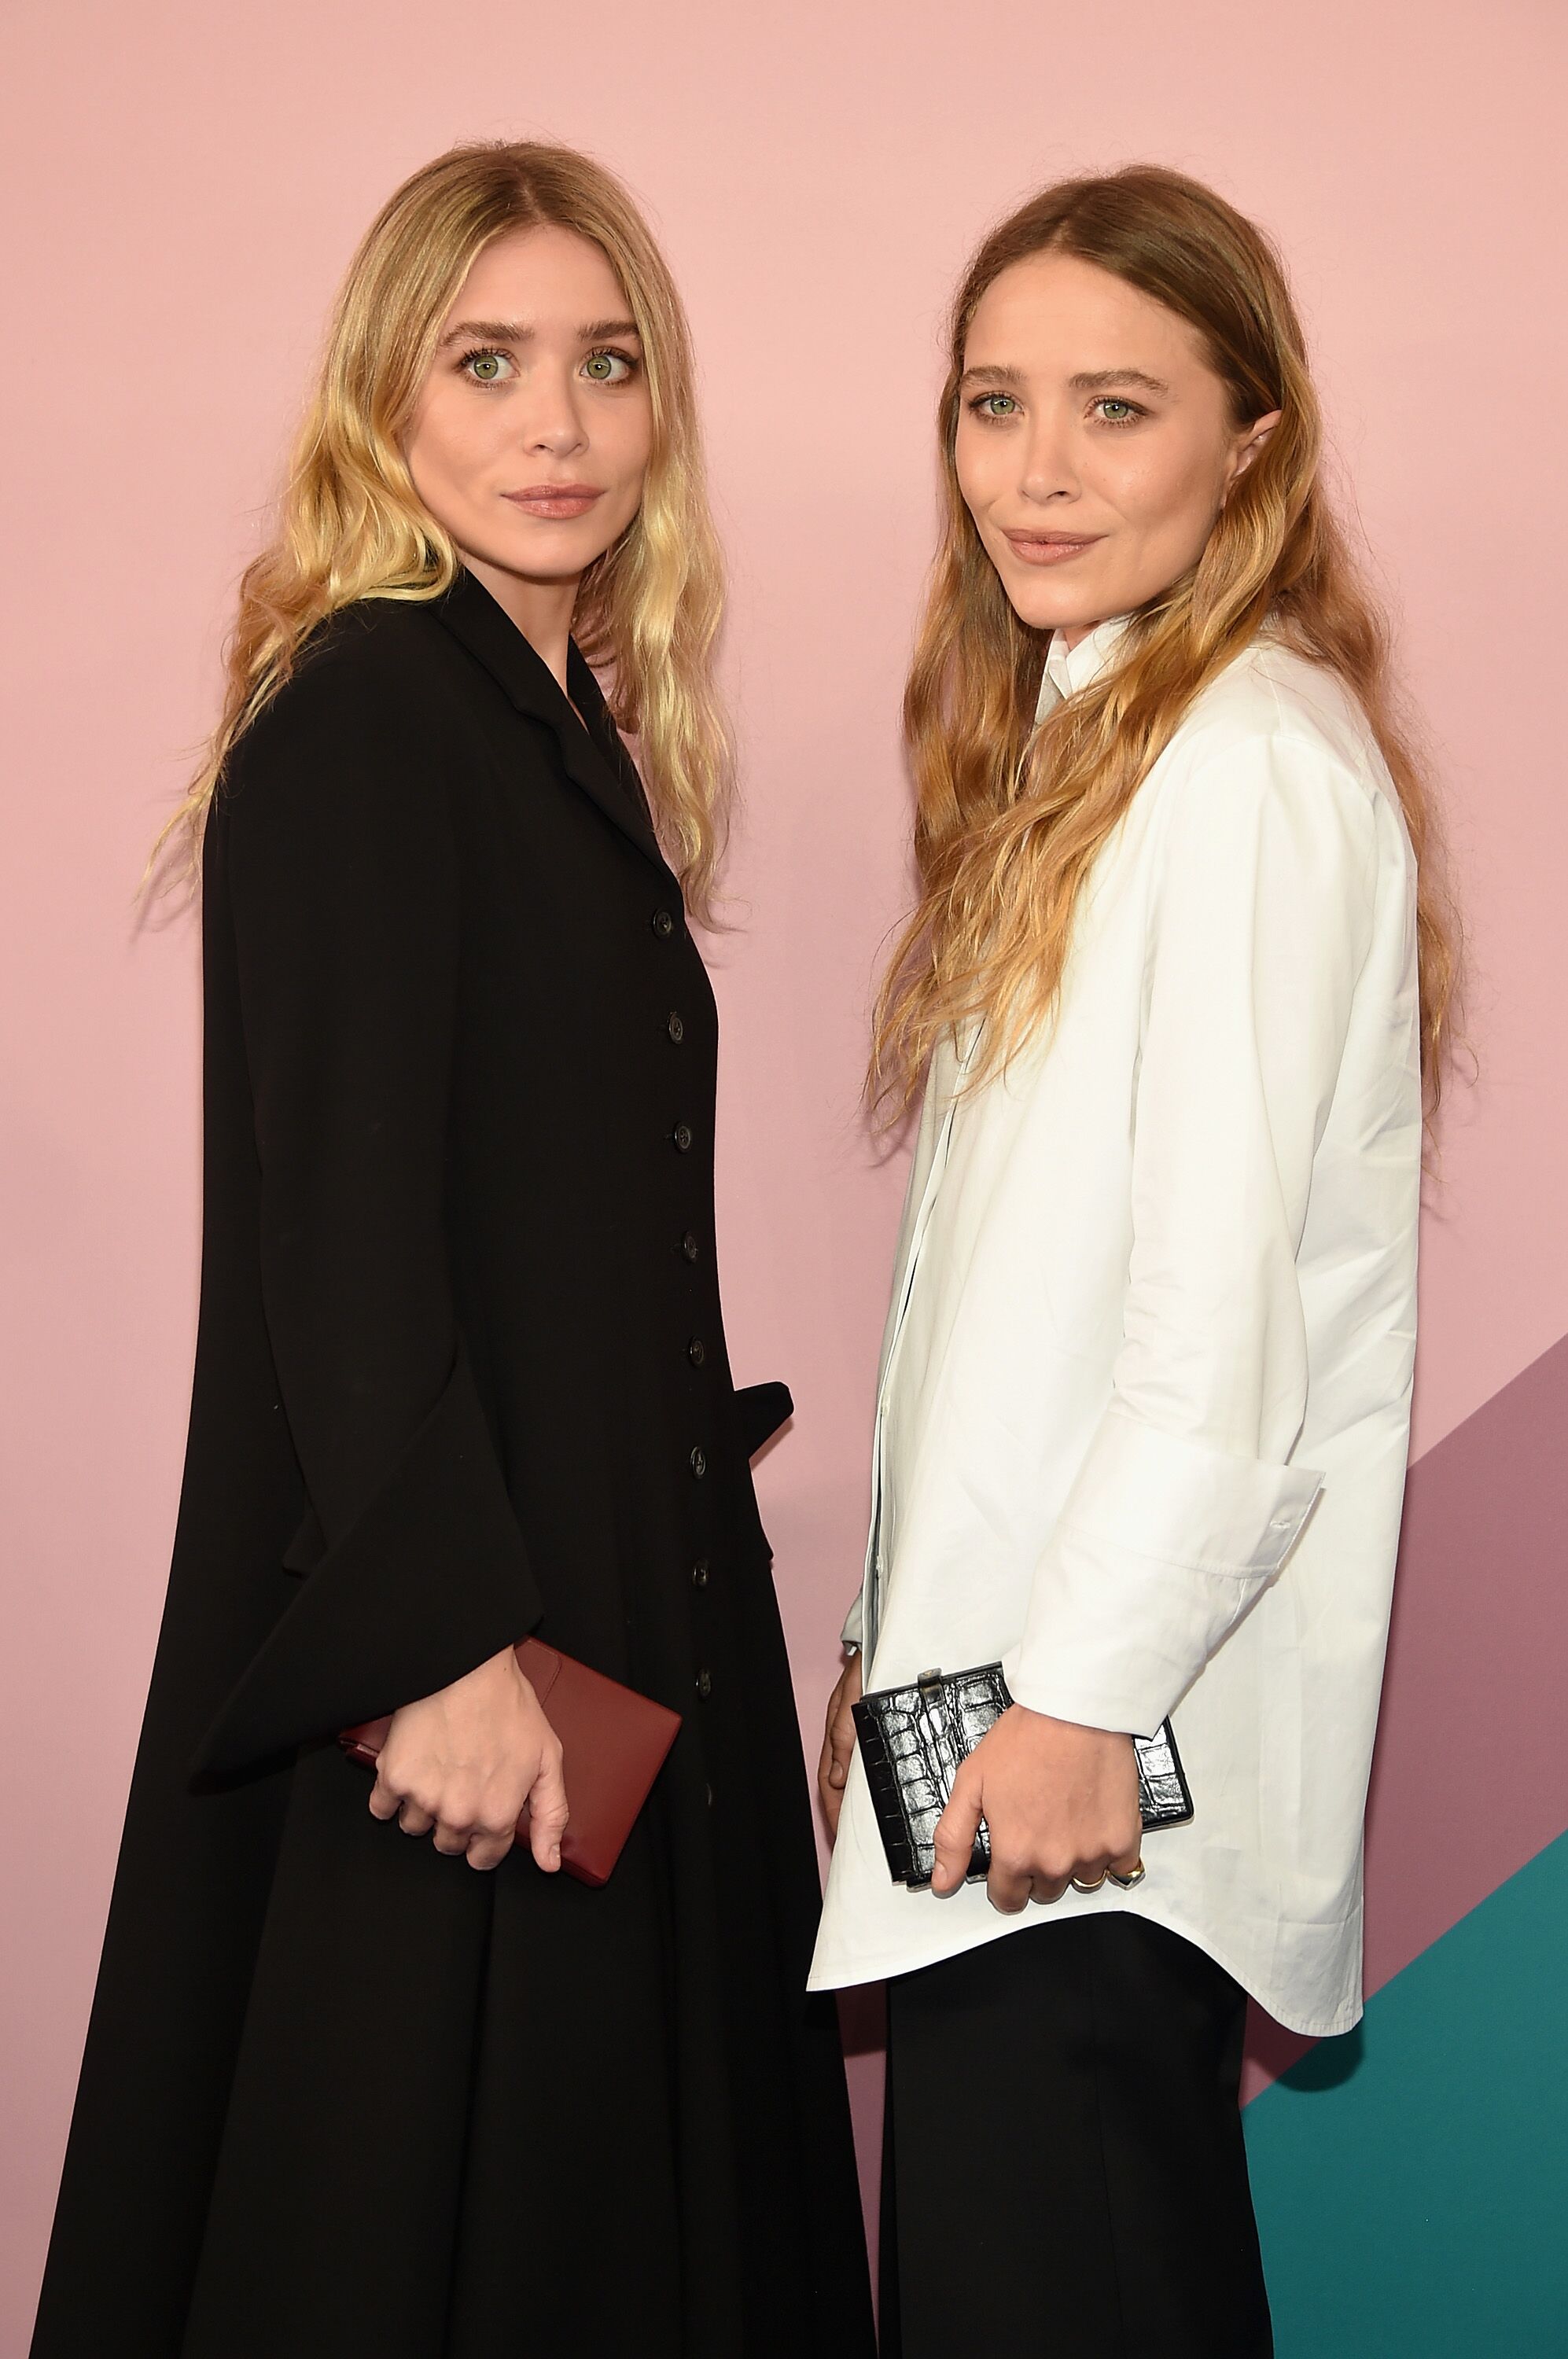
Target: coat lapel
(591, 755)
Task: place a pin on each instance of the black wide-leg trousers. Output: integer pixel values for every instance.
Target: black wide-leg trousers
(1063, 2170)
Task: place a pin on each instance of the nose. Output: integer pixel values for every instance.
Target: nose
(1051, 470)
(552, 418)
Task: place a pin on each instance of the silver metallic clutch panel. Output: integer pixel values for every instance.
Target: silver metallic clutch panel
(913, 1738)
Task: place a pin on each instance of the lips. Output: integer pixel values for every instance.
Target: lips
(555, 503)
(1050, 548)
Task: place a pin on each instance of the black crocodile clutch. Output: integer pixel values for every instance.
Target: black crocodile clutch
(912, 1739)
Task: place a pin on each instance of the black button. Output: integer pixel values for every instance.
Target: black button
(683, 1136)
(663, 924)
(676, 1029)
(696, 1350)
(690, 1247)
(704, 1682)
(699, 1463)
(700, 1573)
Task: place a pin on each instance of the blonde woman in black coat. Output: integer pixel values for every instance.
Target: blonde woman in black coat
(460, 1377)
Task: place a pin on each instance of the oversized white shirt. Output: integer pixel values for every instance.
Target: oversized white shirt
(1144, 1407)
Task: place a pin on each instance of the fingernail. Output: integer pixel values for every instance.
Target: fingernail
(835, 1776)
(555, 1856)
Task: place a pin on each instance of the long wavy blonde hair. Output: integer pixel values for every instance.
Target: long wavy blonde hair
(352, 526)
(1010, 817)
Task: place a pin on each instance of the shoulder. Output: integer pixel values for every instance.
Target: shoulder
(1273, 711)
(1277, 736)
(381, 657)
(1273, 790)
(354, 739)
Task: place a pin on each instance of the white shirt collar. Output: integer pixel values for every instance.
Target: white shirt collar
(1068, 670)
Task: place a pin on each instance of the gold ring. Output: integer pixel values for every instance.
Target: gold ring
(1134, 1875)
(1079, 1885)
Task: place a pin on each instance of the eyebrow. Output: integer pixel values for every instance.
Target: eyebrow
(991, 376)
(1100, 380)
(517, 332)
(1086, 381)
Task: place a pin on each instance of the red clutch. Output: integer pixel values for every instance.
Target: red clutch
(613, 1743)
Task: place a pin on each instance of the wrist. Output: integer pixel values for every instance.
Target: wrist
(499, 1681)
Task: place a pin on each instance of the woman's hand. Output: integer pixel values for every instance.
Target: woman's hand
(838, 1743)
(469, 1761)
(1059, 1802)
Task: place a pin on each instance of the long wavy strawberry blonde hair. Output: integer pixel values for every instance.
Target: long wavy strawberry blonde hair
(352, 525)
(1010, 817)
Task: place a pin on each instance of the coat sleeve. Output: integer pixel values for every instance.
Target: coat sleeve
(1188, 1502)
(333, 845)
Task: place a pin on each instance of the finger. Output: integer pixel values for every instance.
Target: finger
(841, 1745)
(1046, 1890)
(451, 1840)
(833, 1808)
(412, 1820)
(547, 1811)
(830, 1785)
(384, 1802)
(1007, 1889)
(825, 1761)
(1128, 1869)
(955, 1832)
(486, 1850)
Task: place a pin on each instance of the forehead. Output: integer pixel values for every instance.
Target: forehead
(1054, 314)
(545, 276)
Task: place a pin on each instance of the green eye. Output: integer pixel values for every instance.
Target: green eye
(485, 368)
(999, 405)
(608, 367)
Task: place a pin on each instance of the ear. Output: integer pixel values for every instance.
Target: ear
(1247, 448)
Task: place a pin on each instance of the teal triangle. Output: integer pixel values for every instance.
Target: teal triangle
(1412, 2179)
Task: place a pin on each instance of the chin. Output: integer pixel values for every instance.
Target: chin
(1034, 604)
(548, 556)
(1047, 601)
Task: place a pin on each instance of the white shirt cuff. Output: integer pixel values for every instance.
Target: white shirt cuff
(1161, 1546)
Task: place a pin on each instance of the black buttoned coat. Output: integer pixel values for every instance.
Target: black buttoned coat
(460, 1374)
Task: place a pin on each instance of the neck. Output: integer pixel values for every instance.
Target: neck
(542, 610)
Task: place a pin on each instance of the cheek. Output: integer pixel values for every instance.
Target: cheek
(1166, 493)
(975, 463)
(451, 437)
(625, 440)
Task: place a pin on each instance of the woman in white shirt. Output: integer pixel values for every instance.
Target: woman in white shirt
(1174, 977)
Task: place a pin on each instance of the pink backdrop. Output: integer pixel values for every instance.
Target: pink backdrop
(182, 187)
